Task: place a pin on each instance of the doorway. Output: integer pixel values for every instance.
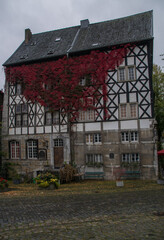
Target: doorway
(58, 153)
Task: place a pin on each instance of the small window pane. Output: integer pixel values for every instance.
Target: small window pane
(133, 110)
(18, 108)
(97, 137)
(48, 118)
(18, 120)
(56, 117)
(130, 73)
(25, 120)
(18, 89)
(123, 111)
(122, 74)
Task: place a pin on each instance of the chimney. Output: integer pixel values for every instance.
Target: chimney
(84, 23)
(28, 35)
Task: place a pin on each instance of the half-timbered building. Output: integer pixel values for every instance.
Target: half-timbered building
(101, 140)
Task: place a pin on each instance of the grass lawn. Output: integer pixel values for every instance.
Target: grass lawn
(83, 187)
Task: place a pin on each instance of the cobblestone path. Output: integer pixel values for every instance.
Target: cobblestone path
(126, 215)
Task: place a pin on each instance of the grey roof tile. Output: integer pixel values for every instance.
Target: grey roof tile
(76, 39)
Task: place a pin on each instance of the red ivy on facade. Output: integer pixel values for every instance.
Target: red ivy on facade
(55, 84)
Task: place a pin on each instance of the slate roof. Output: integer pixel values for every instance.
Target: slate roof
(52, 44)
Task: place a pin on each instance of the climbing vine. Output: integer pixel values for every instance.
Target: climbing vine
(57, 84)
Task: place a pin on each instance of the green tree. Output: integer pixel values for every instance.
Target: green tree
(158, 86)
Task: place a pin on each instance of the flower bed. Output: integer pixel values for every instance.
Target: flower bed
(47, 180)
(3, 184)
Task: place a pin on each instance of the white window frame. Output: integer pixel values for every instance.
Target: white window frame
(125, 73)
(129, 112)
(32, 149)
(14, 150)
(130, 158)
(92, 159)
(88, 115)
(93, 138)
(129, 136)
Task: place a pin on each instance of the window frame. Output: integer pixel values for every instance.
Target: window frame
(93, 138)
(129, 114)
(127, 74)
(129, 136)
(93, 159)
(130, 158)
(32, 148)
(20, 111)
(16, 149)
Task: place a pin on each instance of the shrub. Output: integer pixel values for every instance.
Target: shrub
(45, 179)
(67, 173)
(3, 183)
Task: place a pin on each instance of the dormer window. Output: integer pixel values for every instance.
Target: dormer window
(58, 39)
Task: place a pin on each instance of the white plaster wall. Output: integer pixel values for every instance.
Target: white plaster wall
(77, 127)
(47, 129)
(129, 124)
(144, 123)
(63, 128)
(31, 130)
(110, 125)
(39, 129)
(24, 130)
(11, 131)
(56, 129)
(18, 130)
(92, 127)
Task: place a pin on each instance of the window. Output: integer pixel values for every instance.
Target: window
(128, 110)
(14, 150)
(93, 138)
(32, 149)
(125, 137)
(18, 89)
(51, 117)
(86, 80)
(126, 73)
(129, 136)
(94, 160)
(58, 142)
(88, 115)
(122, 74)
(130, 73)
(130, 158)
(133, 110)
(18, 120)
(134, 136)
(25, 120)
(56, 117)
(123, 111)
(48, 118)
(21, 115)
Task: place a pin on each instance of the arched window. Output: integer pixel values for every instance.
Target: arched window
(14, 150)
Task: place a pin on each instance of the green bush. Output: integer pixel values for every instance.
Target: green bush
(44, 180)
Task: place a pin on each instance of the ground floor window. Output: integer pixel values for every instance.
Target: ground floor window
(94, 160)
(130, 158)
(32, 149)
(14, 150)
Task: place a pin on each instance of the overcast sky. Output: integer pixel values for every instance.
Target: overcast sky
(46, 15)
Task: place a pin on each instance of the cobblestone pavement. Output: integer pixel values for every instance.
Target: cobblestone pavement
(124, 215)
